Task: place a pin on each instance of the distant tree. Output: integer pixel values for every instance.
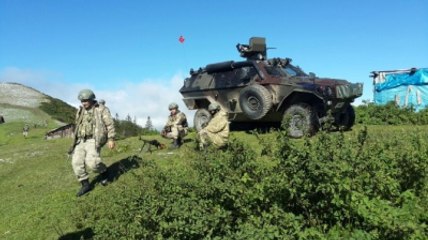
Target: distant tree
(135, 120)
(128, 118)
(149, 125)
(117, 117)
(126, 129)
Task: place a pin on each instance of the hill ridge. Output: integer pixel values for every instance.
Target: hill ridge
(19, 102)
(20, 95)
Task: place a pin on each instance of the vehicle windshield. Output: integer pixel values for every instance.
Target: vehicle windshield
(275, 71)
(293, 71)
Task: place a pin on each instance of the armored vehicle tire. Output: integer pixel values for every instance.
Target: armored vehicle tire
(255, 101)
(347, 119)
(300, 120)
(202, 116)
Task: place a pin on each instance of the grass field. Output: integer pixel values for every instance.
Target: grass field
(23, 114)
(38, 187)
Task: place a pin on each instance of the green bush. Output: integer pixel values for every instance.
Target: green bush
(333, 186)
(389, 114)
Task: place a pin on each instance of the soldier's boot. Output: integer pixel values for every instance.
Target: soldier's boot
(104, 178)
(86, 187)
(179, 141)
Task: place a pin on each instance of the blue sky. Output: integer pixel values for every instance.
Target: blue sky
(128, 51)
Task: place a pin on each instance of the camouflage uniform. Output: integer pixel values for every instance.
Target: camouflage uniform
(177, 126)
(25, 130)
(94, 127)
(216, 132)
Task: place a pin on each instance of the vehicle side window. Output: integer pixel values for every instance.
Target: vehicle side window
(275, 71)
(293, 71)
(290, 71)
(223, 79)
(243, 76)
(235, 77)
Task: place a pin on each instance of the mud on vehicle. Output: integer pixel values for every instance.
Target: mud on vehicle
(270, 91)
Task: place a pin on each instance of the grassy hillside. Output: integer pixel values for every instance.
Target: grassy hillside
(59, 110)
(257, 188)
(28, 115)
(20, 103)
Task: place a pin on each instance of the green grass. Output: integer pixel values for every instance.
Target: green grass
(23, 114)
(38, 187)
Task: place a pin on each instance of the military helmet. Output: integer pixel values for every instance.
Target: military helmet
(86, 94)
(213, 107)
(102, 101)
(173, 106)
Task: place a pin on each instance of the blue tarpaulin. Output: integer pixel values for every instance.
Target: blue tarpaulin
(405, 88)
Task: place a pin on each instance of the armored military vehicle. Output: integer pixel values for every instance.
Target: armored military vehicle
(261, 90)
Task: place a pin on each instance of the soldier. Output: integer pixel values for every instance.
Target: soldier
(176, 126)
(102, 102)
(217, 130)
(94, 128)
(25, 130)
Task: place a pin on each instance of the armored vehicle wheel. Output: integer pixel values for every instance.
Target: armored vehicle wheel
(255, 101)
(202, 117)
(300, 120)
(347, 118)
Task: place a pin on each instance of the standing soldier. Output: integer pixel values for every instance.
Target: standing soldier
(94, 128)
(176, 126)
(217, 130)
(25, 130)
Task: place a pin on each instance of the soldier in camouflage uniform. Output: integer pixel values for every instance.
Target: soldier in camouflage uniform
(176, 126)
(25, 130)
(217, 130)
(94, 128)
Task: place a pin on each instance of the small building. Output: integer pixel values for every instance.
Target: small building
(407, 88)
(66, 131)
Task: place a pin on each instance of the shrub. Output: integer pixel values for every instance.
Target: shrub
(333, 186)
(389, 114)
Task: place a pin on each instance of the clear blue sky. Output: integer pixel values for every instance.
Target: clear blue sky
(116, 47)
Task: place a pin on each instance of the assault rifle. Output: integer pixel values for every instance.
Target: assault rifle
(153, 142)
(72, 147)
(75, 140)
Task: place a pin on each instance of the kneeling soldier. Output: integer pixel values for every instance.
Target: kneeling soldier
(217, 130)
(176, 126)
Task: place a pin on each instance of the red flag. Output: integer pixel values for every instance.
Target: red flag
(181, 39)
